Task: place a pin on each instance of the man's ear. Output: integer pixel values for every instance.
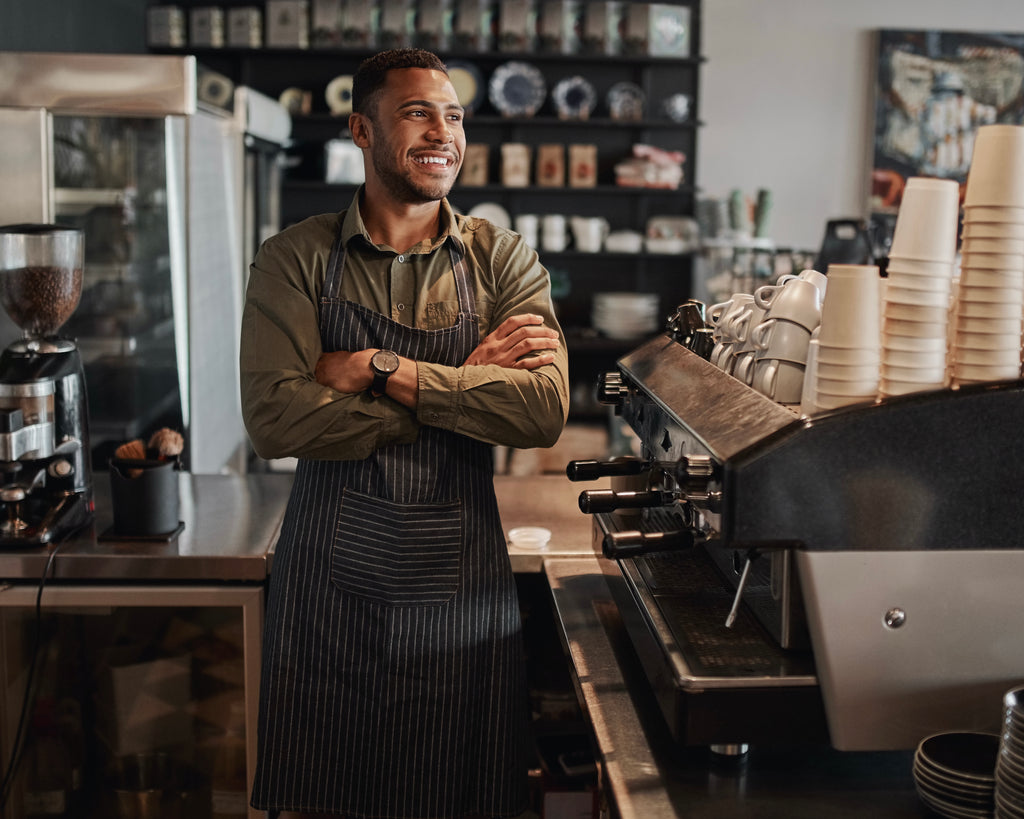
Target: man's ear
(361, 129)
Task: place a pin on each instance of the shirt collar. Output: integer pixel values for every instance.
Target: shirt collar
(352, 225)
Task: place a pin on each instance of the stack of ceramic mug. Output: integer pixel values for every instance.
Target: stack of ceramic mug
(730, 322)
(791, 312)
(986, 339)
(847, 348)
(919, 290)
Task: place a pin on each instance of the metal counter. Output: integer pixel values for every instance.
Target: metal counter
(231, 523)
(645, 776)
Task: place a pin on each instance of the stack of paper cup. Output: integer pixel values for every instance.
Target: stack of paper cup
(915, 307)
(990, 301)
(849, 341)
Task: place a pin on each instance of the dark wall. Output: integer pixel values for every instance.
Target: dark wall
(102, 26)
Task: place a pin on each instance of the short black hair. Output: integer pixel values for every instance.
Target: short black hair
(373, 72)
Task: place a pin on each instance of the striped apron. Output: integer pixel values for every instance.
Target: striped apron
(393, 682)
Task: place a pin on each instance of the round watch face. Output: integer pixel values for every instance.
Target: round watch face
(384, 362)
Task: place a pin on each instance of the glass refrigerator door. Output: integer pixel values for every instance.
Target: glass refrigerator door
(110, 180)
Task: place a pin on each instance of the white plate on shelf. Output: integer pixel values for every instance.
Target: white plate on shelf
(574, 98)
(517, 89)
(492, 212)
(468, 83)
(339, 95)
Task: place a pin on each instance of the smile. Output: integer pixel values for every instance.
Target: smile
(442, 161)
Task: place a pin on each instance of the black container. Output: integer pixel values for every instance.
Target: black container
(144, 496)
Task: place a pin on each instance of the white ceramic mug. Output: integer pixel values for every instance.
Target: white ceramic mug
(528, 226)
(798, 300)
(553, 232)
(589, 232)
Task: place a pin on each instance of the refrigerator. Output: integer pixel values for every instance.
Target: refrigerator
(169, 170)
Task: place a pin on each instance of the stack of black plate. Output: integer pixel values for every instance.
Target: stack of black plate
(1010, 764)
(955, 774)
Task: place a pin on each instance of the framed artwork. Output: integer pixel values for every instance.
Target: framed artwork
(933, 90)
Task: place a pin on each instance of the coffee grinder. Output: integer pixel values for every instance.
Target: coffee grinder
(45, 464)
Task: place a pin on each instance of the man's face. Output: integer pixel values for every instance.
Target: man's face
(417, 141)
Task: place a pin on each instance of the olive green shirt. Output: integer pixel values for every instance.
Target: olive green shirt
(288, 414)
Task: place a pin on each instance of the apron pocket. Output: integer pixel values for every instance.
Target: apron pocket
(397, 554)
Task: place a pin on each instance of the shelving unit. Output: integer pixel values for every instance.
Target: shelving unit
(579, 275)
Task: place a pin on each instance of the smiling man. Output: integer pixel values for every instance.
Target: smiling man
(388, 347)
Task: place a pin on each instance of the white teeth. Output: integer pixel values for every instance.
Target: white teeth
(433, 160)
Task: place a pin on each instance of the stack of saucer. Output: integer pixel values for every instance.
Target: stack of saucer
(920, 281)
(625, 315)
(986, 340)
(954, 773)
(1009, 791)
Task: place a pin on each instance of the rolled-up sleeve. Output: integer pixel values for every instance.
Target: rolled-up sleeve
(512, 407)
(286, 412)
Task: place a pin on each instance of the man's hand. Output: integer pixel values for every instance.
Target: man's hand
(515, 342)
(344, 371)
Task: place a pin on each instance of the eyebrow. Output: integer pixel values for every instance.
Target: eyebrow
(451, 106)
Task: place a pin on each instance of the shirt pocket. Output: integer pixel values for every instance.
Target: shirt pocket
(397, 554)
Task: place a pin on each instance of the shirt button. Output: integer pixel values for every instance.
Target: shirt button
(401, 306)
(434, 416)
(401, 258)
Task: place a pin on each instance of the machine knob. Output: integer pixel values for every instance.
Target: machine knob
(610, 389)
(12, 494)
(60, 468)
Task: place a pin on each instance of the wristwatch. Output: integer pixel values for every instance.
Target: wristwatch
(384, 363)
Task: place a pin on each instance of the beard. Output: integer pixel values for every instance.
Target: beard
(399, 185)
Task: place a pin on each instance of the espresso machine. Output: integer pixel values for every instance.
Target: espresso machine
(852, 577)
(46, 480)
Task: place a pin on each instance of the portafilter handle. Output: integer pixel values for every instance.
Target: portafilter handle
(608, 500)
(619, 467)
(617, 545)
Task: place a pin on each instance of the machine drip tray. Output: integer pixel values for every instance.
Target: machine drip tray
(714, 684)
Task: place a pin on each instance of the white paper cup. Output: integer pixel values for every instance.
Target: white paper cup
(914, 267)
(916, 344)
(849, 356)
(972, 277)
(967, 306)
(987, 358)
(898, 294)
(850, 373)
(996, 174)
(1001, 295)
(992, 230)
(851, 310)
(835, 386)
(911, 358)
(993, 213)
(927, 220)
(977, 324)
(976, 372)
(914, 312)
(827, 401)
(890, 388)
(975, 244)
(918, 329)
(918, 375)
(991, 261)
(985, 341)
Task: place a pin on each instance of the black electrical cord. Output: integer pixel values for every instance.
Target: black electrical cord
(19, 737)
